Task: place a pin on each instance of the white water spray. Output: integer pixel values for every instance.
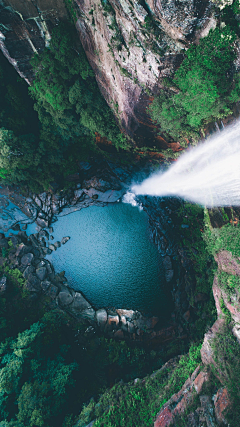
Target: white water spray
(208, 174)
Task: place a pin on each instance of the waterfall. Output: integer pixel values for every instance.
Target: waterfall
(208, 174)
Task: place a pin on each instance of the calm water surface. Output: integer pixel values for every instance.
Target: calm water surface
(111, 259)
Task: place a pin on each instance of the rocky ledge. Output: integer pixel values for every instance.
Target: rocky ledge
(27, 254)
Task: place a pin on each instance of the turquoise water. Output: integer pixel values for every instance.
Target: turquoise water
(111, 259)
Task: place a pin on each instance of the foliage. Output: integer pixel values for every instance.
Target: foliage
(229, 283)
(224, 238)
(190, 235)
(138, 403)
(227, 358)
(65, 89)
(205, 87)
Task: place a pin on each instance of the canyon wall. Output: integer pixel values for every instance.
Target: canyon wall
(131, 46)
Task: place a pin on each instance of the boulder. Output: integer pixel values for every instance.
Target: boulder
(57, 244)
(51, 291)
(33, 283)
(131, 327)
(80, 307)
(28, 270)
(27, 259)
(52, 247)
(3, 284)
(128, 314)
(169, 275)
(45, 285)
(101, 316)
(65, 298)
(43, 223)
(41, 273)
(113, 320)
(65, 240)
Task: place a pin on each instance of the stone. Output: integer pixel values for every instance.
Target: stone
(51, 291)
(41, 273)
(221, 402)
(88, 314)
(95, 196)
(101, 316)
(27, 259)
(51, 230)
(150, 323)
(51, 237)
(202, 377)
(65, 240)
(33, 283)
(131, 327)
(28, 270)
(45, 285)
(169, 275)
(128, 314)
(43, 223)
(52, 247)
(113, 320)
(3, 284)
(65, 298)
(57, 244)
(79, 305)
(24, 227)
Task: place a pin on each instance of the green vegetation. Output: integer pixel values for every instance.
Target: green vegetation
(224, 238)
(190, 238)
(139, 402)
(227, 358)
(205, 84)
(70, 111)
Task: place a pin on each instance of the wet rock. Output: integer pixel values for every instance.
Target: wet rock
(65, 240)
(45, 285)
(46, 251)
(41, 273)
(24, 227)
(27, 259)
(3, 285)
(57, 244)
(128, 314)
(51, 237)
(52, 247)
(51, 230)
(101, 316)
(65, 298)
(16, 227)
(43, 223)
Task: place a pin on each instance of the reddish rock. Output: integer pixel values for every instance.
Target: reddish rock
(226, 262)
(202, 377)
(164, 418)
(206, 350)
(221, 402)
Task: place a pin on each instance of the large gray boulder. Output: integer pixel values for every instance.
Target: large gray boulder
(27, 259)
(41, 273)
(80, 307)
(101, 316)
(65, 298)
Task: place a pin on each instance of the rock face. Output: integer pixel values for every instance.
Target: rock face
(131, 46)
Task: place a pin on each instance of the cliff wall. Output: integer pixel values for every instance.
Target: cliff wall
(131, 46)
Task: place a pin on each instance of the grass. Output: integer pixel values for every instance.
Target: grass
(137, 403)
